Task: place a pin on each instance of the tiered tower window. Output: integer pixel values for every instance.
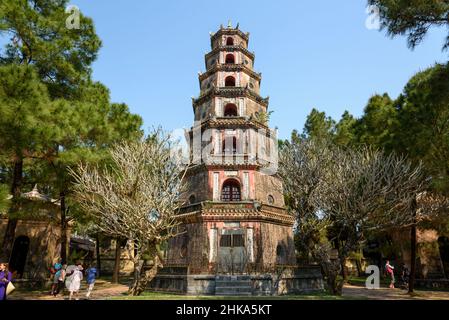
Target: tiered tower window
(230, 41)
(230, 81)
(230, 191)
(230, 145)
(230, 59)
(230, 110)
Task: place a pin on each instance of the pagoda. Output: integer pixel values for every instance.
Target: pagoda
(234, 219)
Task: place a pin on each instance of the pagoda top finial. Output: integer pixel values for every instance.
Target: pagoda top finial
(229, 24)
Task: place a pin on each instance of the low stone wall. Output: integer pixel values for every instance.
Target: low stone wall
(297, 281)
(289, 281)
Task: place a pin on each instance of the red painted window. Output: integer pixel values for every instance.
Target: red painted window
(230, 59)
(230, 110)
(230, 191)
(230, 81)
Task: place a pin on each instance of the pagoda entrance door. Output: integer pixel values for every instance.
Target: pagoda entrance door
(231, 252)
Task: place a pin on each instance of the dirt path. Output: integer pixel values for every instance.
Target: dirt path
(392, 294)
(102, 290)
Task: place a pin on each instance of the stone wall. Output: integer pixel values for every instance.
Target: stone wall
(266, 186)
(428, 260)
(44, 247)
(277, 246)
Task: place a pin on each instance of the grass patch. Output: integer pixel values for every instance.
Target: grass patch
(171, 296)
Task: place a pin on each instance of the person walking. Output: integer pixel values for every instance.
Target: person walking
(73, 282)
(55, 271)
(5, 279)
(390, 271)
(61, 279)
(91, 275)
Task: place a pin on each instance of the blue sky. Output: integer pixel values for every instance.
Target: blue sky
(311, 54)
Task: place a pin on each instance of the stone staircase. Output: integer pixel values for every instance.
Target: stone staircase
(233, 286)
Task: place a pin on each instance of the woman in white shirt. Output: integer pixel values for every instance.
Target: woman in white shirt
(73, 281)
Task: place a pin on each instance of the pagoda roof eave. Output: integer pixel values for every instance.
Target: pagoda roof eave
(231, 92)
(230, 67)
(245, 51)
(229, 31)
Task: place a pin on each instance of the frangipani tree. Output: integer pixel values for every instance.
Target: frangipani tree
(349, 193)
(136, 198)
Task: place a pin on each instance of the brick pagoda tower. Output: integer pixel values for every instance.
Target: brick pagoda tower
(234, 218)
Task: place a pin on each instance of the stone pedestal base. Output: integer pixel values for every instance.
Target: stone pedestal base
(297, 281)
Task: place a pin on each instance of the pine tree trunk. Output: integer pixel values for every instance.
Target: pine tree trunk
(411, 283)
(10, 232)
(118, 251)
(63, 223)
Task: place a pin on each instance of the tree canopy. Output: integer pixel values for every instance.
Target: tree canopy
(412, 18)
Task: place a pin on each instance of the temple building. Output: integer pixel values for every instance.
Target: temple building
(37, 239)
(234, 221)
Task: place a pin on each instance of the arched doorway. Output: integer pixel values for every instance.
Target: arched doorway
(230, 191)
(230, 110)
(19, 254)
(230, 81)
(230, 59)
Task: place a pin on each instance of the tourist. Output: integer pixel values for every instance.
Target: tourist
(61, 279)
(73, 280)
(91, 275)
(5, 279)
(390, 271)
(55, 271)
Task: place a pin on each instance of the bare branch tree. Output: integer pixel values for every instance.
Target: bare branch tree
(346, 193)
(303, 164)
(135, 197)
(367, 190)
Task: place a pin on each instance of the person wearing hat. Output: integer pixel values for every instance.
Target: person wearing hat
(74, 281)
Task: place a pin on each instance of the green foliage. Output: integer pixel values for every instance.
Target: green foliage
(345, 130)
(24, 107)
(422, 129)
(39, 36)
(318, 125)
(374, 128)
(263, 117)
(412, 18)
